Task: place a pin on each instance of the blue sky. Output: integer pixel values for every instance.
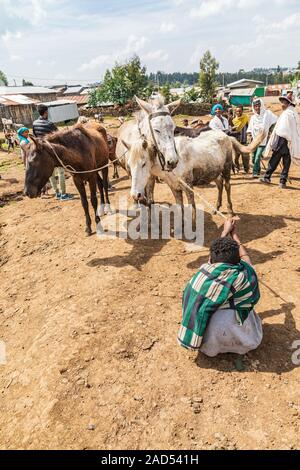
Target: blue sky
(54, 41)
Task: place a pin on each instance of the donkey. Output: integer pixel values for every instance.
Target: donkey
(202, 160)
(154, 122)
(83, 149)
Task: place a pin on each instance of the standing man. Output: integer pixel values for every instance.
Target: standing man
(262, 120)
(240, 125)
(219, 122)
(10, 139)
(284, 143)
(41, 127)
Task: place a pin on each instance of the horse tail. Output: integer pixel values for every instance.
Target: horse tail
(247, 149)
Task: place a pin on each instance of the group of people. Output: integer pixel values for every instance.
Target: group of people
(281, 141)
(42, 127)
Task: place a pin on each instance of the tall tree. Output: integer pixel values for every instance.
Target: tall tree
(207, 79)
(121, 83)
(3, 78)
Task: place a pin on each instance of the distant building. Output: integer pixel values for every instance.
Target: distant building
(41, 94)
(245, 96)
(80, 100)
(19, 103)
(277, 90)
(18, 108)
(62, 111)
(245, 83)
(74, 90)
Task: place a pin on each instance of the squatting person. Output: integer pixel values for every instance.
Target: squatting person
(218, 302)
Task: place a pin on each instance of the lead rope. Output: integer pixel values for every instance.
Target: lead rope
(71, 170)
(187, 187)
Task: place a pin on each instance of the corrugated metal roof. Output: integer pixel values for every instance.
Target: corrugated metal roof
(15, 100)
(79, 99)
(25, 90)
(243, 92)
(58, 102)
(244, 81)
(73, 90)
(87, 91)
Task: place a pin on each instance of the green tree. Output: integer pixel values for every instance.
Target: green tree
(26, 83)
(207, 79)
(166, 92)
(121, 83)
(3, 78)
(192, 95)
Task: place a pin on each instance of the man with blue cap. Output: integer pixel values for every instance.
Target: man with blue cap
(219, 122)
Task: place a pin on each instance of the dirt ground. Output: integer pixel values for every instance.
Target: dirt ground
(90, 330)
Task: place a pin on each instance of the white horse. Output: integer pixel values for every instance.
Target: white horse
(155, 126)
(202, 160)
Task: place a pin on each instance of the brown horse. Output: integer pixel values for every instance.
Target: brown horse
(82, 148)
(111, 141)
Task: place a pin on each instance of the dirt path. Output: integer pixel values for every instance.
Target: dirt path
(90, 330)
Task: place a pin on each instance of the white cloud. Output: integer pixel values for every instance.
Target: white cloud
(208, 8)
(96, 63)
(134, 45)
(34, 11)
(9, 36)
(15, 58)
(84, 41)
(158, 55)
(288, 23)
(167, 27)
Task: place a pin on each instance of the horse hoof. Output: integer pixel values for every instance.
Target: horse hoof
(107, 209)
(97, 220)
(101, 211)
(100, 229)
(88, 232)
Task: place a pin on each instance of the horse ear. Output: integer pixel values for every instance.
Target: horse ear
(128, 146)
(172, 106)
(144, 105)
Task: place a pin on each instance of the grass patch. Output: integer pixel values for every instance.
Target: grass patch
(9, 161)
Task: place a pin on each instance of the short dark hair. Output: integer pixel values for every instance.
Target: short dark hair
(42, 108)
(225, 250)
(240, 106)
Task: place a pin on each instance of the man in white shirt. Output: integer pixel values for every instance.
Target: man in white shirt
(219, 122)
(284, 144)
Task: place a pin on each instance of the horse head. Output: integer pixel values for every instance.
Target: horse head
(40, 166)
(157, 124)
(141, 157)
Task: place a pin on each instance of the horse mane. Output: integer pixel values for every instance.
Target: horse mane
(65, 136)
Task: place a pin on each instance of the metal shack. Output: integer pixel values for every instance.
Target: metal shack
(242, 96)
(62, 111)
